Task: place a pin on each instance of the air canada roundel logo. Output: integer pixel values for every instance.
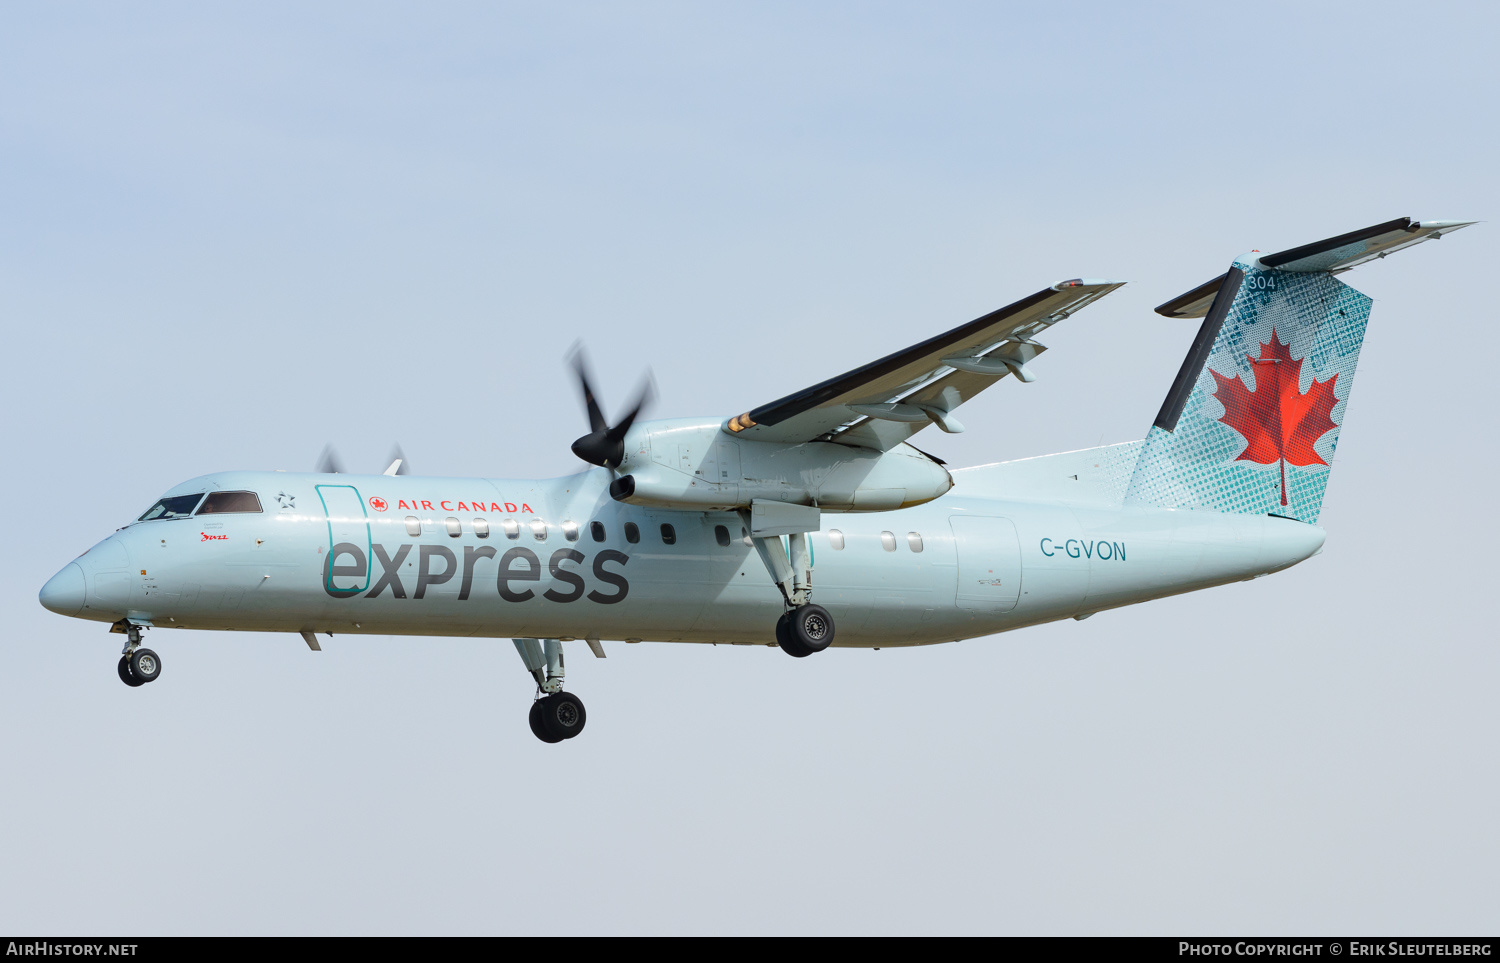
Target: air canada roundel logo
(378, 503)
(1279, 422)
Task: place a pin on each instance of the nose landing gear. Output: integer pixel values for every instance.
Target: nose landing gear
(137, 665)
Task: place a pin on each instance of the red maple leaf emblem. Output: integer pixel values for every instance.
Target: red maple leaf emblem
(1278, 421)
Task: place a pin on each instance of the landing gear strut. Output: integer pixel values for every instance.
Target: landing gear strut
(556, 715)
(137, 665)
(804, 628)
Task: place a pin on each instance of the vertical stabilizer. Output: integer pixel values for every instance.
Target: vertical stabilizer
(1252, 420)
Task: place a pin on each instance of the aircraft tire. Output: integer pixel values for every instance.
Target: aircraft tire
(125, 674)
(562, 715)
(145, 665)
(812, 627)
(535, 718)
(788, 639)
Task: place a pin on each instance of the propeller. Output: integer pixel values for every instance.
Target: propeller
(605, 445)
(329, 462)
(399, 464)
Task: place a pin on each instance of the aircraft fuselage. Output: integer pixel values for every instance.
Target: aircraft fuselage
(377, 554)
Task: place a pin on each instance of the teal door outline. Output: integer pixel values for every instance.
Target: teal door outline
(342, 505)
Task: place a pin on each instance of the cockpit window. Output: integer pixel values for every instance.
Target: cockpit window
(225, 503)
(174, 506)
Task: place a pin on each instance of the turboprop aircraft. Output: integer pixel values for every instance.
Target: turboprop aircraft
(711, 529)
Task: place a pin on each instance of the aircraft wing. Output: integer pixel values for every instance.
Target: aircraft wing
(884, 402)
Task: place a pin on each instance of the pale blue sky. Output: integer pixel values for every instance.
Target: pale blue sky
(231, 234)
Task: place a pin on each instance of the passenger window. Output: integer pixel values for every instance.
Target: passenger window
(539, 529)
(836, 539)
(914, 541)
(226, 503)
(413, 525)
(178, 506)
(632, 533)
(570, 531)
(668, 535)
(512, 530)
(721, 535)
(596, 529)
(888, 541)
(455, 528)
(481, 528)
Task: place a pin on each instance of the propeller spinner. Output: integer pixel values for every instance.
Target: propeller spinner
(605, 445)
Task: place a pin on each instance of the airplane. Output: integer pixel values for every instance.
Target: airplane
(710, 529)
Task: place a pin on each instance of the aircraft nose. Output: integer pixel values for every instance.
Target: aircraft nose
(63, 593)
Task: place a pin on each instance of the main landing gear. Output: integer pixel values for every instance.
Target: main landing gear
(137, 665)
(555, 715)
(804, 628)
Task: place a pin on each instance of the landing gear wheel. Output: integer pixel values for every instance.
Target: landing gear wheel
(811, 626)
(788, 640)
(145, 665)
(562, 715)
(125, 673)
(535, 718)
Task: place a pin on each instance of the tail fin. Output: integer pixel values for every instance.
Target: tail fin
(1252, 420)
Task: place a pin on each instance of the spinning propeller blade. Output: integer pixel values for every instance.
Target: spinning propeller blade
(605, 445)
(399, 465)
(329, 463)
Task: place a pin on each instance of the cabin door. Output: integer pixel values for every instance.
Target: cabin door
(989, 563)
(347, 569)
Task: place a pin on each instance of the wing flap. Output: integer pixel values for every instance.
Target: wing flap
(944, 393)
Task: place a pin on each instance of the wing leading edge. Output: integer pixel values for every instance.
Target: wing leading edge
(885, 402)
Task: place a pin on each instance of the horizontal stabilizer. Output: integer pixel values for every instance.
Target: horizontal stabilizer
(1195, 303)
(1333, 255)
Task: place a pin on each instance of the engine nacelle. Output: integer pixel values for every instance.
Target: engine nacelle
(695, 465)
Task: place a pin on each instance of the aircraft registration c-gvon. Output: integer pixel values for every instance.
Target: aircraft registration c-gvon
(710, 530)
